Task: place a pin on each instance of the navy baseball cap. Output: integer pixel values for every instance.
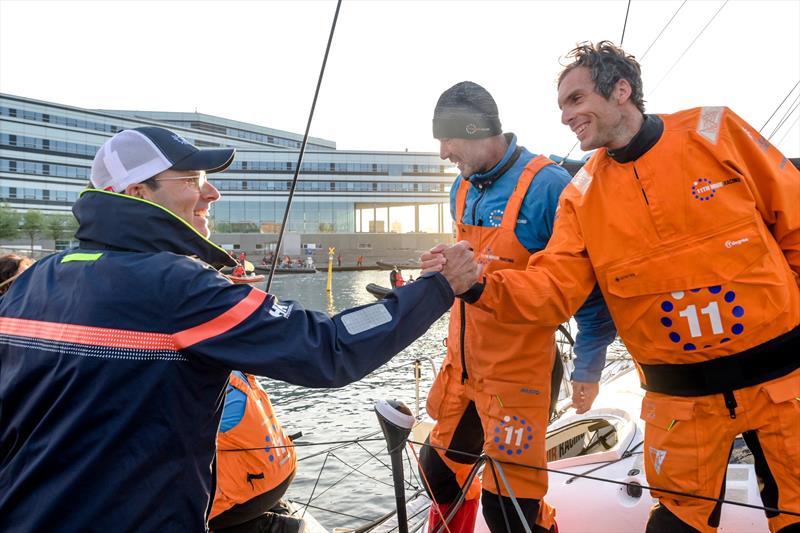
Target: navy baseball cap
(136, 155)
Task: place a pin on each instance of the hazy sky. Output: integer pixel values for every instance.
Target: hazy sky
(258, 61)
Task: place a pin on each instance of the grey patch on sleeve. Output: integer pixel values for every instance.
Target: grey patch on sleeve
(366, 319)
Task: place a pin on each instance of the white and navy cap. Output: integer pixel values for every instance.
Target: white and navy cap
(136, 155)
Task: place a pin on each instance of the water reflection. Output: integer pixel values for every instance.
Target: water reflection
(328, 415)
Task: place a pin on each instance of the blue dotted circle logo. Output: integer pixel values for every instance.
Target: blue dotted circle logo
(715, 321)
(513, 435)
(702, 189)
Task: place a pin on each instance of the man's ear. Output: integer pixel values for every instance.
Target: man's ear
(137, 190)
(622, 91)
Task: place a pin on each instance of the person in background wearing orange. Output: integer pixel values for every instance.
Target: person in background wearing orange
(252, 478)
(690, 223)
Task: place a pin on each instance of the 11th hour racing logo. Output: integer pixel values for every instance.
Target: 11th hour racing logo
(703, 189)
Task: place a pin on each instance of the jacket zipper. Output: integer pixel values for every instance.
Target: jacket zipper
(481, 190)
(463, 306)
(658, 230)
(464, 375)
(644, 194)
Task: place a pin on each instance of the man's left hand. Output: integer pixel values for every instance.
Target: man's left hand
(583, 395)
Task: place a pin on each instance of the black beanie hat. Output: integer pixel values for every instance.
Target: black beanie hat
(466, 111)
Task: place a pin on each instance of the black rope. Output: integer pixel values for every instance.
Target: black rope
(625, 24)
(779, 106)
(330, 511)
(623, 483)
(302, 152)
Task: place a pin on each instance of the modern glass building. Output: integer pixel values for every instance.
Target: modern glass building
(46, 150)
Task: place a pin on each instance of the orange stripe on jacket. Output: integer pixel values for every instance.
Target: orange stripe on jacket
(224, 322)
(136, 340)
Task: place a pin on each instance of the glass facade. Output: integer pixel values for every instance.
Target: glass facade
(46, 150)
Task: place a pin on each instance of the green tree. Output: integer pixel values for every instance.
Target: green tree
(60, 225)
(9, 222)
(33, 223)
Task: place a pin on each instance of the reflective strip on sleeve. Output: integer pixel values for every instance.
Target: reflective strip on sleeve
(366, 318)
(130, 339)
(224, 322)
(114, 338)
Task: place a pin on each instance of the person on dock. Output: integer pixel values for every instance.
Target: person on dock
(497, 377)
(690, 223)
(115, 355)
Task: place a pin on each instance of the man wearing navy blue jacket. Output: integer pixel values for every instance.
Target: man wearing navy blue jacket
(114, 356)
(493, 392)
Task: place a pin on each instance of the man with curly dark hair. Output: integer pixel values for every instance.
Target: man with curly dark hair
(690, 224)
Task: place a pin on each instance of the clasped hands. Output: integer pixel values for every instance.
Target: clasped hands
(456, 263)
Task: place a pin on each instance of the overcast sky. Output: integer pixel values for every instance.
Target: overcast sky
(258, 61)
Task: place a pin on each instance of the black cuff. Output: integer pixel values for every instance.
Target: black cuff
(473, 294)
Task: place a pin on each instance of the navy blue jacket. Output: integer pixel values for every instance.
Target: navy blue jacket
(484, 207)
(114, 359)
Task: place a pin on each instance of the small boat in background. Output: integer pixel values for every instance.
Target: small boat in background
(378, 291)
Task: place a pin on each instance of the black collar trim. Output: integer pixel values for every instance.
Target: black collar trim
(485, 180)
(647, 136)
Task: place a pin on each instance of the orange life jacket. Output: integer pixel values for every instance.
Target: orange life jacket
(243, 475)
(490, 348)
(691, 244)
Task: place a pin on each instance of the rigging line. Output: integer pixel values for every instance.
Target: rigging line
(787, 132)
(564, 159)
(355, 470)
(502, 506)
(339, 444)
(779, 106)
(625, 24)
(302, 152)
(662, 30)
(623, 483)
(785, 117)
(314, 488)
(511, 495)
(329, 510)
(688, 47)
(341, 478)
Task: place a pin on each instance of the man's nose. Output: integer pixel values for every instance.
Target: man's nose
(444, 149)
(566, 116)
(209, 192)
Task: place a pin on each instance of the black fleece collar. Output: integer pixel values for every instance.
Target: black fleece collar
(647, 136)
(513, 152)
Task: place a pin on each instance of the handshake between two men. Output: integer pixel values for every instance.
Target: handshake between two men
(456, 263)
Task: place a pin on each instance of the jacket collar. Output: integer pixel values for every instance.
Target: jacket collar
(647, 136)
(485, 179)
(114, 221)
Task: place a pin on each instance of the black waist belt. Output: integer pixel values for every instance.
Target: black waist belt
(773, 359)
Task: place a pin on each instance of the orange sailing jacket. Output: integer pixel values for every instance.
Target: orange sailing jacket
(478, 344)
(695, 244)
(255, 455)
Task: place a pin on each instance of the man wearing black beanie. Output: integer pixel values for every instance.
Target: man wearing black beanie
(493, 392)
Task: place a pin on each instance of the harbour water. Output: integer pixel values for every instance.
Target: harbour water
(346, 483)
(352, 481)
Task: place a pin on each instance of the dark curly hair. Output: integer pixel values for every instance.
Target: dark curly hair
(9, 264)
(607, 64)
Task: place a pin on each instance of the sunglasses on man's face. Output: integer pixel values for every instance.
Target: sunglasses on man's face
(196, 182)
